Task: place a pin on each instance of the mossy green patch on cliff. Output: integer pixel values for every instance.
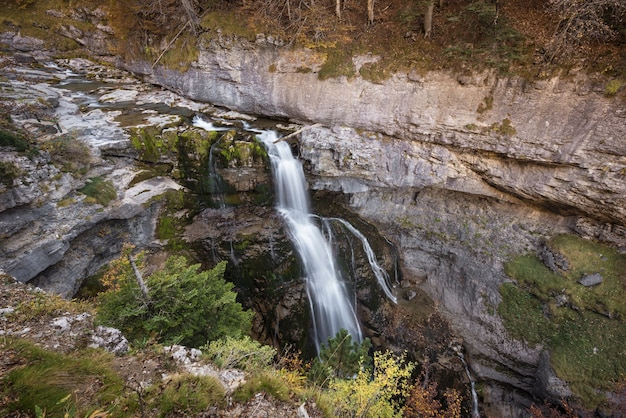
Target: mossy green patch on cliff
(226, 23)
(584, 328)
(338, 63)
(99, 191)
(151, 144)
(173, 218)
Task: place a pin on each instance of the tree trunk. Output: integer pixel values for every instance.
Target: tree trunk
(338, 8)
(428, 19)
(140, 282)
(370, 11)
(440, 4)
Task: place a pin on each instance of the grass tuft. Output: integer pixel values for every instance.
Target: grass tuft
(60, 384)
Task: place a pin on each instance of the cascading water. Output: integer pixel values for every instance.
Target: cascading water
(381, 275)
(330, 305)
(458, 349)
(216, 183)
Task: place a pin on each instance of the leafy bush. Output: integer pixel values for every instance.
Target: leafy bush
(243, 353)
(183, 305)
(379, 395)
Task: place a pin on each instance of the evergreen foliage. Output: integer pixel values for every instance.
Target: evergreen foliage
(183, 305)
(340, 358)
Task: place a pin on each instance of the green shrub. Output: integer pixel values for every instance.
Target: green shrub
(8, 173)
(242, 353)
(612, 87)
(99, 191)
(13, 140)
(340, 358)
(184, 305)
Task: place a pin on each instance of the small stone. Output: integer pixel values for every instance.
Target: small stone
(410, 295)
(405, 284)
(111, 339)
(8, 310)
(591, 280)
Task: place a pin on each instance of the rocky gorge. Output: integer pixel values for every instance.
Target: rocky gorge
(455, 173)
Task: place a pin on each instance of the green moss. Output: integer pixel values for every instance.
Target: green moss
(486, 105)
(171, 224)
(181, 53)
(338, 63)
(583, 327)
(99, 191)
(376, 72)
(504, 128)
(32, 19)
(225, 23)
(149, 142)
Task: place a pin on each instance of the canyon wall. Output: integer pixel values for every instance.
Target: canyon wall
(460, 172)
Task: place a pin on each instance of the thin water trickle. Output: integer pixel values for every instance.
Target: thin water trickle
(216, 183)
(381, 275)
(330, 304)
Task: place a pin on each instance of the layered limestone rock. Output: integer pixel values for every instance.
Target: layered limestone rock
(555, 142)
(53, 234)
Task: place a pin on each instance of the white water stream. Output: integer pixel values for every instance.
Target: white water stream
(330, 305)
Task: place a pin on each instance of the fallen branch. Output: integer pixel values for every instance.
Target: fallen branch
(170, 44)
(282, 138)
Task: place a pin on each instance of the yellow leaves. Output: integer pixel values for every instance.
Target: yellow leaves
(373, 396)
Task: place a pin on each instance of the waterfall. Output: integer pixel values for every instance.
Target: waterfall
(381, 275)
(458, 349)
(328, 297)
(216, 183)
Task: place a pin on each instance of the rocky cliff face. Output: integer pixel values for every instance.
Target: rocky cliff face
(460, 172)
(554, 142)
(54, 234)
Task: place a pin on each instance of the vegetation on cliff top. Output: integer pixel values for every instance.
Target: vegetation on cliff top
(534, 38)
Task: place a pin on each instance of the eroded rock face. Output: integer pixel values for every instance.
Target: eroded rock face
(53, 234)
(554, 141)
(454, 231)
